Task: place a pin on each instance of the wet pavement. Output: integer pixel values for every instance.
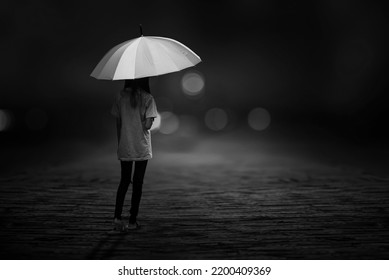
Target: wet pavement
(218, 197)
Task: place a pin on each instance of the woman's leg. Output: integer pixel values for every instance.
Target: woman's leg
(125, 180)
(137, 183)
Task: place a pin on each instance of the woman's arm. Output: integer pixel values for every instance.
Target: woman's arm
(149, 123)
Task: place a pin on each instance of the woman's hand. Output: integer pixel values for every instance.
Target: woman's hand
(148, 123)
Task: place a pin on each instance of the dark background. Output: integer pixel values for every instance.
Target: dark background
(320, 63)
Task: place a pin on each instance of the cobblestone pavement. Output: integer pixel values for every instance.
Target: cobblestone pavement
(217, 199)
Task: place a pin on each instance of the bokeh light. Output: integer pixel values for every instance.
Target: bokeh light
(5, 120)
(36, 119)
(169, 123)
(259, 119)
(216, 119)
(192, 84)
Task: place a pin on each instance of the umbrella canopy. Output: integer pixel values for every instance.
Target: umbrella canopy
(145, 56)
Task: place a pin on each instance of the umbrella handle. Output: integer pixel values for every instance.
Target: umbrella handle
(140, 29)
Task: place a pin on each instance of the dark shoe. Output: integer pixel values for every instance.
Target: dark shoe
(131, 226)
(118, 224)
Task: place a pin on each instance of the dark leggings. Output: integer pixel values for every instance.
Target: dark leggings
(137, 182)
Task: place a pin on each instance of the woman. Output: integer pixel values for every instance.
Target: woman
(135, 110)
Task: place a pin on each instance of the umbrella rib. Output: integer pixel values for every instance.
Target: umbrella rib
(117, 65)
(99, 69)
(166, 53)
(145, 47)
(125, 54)
(136, 55)
(180, 44)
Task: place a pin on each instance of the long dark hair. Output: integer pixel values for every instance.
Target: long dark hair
(135, 85)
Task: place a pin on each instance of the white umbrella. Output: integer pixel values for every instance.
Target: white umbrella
(145, 56)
